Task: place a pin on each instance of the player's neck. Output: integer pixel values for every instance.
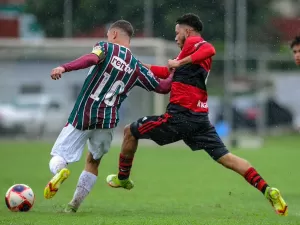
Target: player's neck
(195, 34)
(123, 43)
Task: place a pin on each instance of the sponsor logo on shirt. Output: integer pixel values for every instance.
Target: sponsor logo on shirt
(202, 105)
(121, 65)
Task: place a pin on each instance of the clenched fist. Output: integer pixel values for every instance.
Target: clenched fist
(57, 72)
(173, 63)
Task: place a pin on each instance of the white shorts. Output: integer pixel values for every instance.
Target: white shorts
(71, 142)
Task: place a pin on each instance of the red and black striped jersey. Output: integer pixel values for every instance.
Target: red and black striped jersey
(189, 92)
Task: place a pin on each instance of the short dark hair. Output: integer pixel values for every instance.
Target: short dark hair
(296, 41)
(191, 20)
(125, 26)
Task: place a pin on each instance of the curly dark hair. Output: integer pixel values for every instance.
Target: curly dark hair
(191, 20)
(296, 41)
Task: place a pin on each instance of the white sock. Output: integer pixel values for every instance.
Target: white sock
(56, 164)
(85, 184)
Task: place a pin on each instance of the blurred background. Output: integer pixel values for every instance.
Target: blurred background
(253, 86)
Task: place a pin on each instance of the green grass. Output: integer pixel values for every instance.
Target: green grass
(173, 187)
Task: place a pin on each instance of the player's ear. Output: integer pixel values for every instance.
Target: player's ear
(187, 32)
(115, 34)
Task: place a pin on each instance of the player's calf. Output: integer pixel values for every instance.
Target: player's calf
(245, 169)
(235, 163)
(85, 183)
(129, 147)
(130, 143)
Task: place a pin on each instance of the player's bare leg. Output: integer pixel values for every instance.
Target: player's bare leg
(85, 183)
(244, 168)
(129, 147)
(58, 166)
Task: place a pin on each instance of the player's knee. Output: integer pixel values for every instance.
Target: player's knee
(127, 133)
(92, 164)
(228, 160)
(91, 161)
(130, 143)
(215, 153)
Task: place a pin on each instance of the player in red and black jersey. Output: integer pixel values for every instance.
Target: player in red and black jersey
(186, 117)
(295, 46)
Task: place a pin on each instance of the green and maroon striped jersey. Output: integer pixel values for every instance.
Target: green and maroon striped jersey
(107, 86)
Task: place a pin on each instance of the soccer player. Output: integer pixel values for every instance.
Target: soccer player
(295, 46)
(114, 72)
(186, 117)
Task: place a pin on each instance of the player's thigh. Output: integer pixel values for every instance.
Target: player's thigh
(70, 143)
(209, 140)
(99, 142)
(159, 129)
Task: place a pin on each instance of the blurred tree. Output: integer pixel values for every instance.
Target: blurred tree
(49, 14)
(260, 22)
(88, 14)
(211, 13)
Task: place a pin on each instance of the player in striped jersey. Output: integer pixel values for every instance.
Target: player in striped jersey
(114, 72)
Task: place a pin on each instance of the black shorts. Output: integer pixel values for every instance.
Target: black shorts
(196, 131)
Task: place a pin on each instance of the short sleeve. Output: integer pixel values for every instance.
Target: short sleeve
(146, 78)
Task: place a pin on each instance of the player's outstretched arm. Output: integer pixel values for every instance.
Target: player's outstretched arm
(164, 86)
(147, 65)
(159, 71)
(148, 81)
(83, 62)
(204, 52)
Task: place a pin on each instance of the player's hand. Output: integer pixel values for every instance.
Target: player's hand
(171, 70)
(172, 63)
(57, 72)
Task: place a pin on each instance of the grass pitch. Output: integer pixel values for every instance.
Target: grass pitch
(174, 186)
